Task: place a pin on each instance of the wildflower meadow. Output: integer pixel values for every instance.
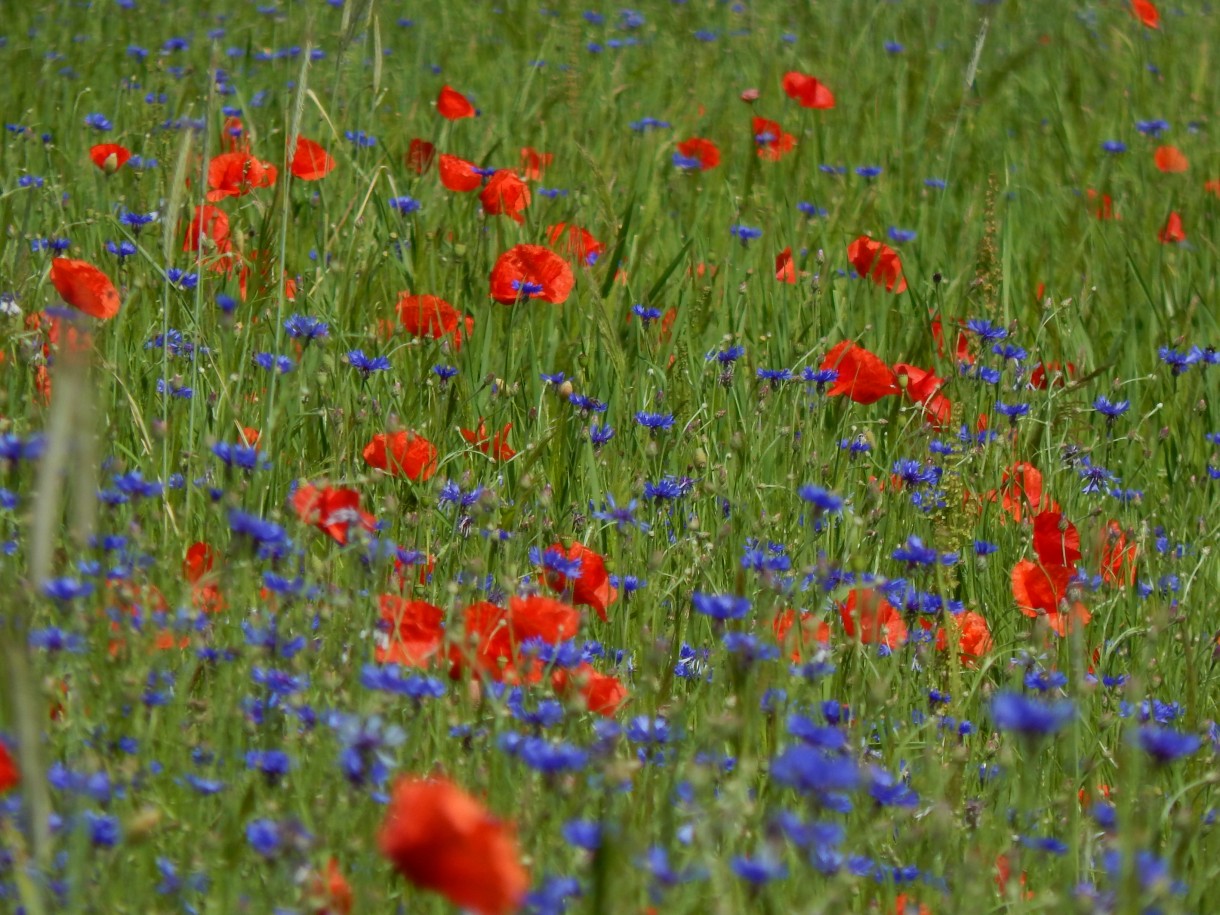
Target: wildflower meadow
(544, 456)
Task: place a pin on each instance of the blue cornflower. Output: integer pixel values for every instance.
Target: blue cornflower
(103, 829)
(893, 47)
(745, 233)
(726, 356)
(269, 361)
(66, 589)
(366, 365)
(137, 221)
(814, 771)
(304, 327)
(444, 372)
(367, 743)
(900, 236)
(527, 288)
(1030, 717)
(654, 421)
(360, 138)
(813, 211)
(551, 758)
(983, 548)
(98, 122)
(585, 834)
(645, 124)
(13, 448)
(1008, 351)
(822, 500)
(183, 392)
(623, 516)
(405, 205)
(668, 488)
(868, 171)
(264, 837)
(1095, 476)
(1111, 410)
(587, 404)
(558, 562)
(245, 457)
(687, 163)
(1165, 745)
(181, 278)
(121, 249)
(600, 434)
(1012, 411)
(1153, 128)
(646, 314)
(1177, 361)
(774, 375)
(273, 764)
(30, 181)
(915, 553)
(1114, 147)
(721, 606)
(937, 184)
(759, 870)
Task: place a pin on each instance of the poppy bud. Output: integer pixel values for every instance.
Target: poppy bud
(749, 95)
(110, 164)
(566, 389)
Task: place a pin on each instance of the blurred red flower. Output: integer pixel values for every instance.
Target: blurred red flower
(402, 454)
(534, 163)
(414, 631)
(863, 377)
(1170, 160)
(10, 776)
(772, 142)
(785, 269)
(442, 839)
(85, 288)
(432, 316)
(873, 617)
(808, 91)
(1173, 231)
(453, 105)
(332, 510)
(311, 162)
(420, 156)
(704, 150)
(496, 447)
(575, 242)
(591, 588)
(1146, 12)
(208, 232)
(603, 694)
(879, 261)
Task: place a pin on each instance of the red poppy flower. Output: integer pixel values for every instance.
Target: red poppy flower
(442, 839)
(1173, 231)
(533, 163)
(923, 386)
(1170, 160)
(486, 643)
(806, 90)
(453, 105)
(431, 316)
(863, 377)
(197, 569)
(531, 272)
(538, 617)
(1021, 490)
(420, 156)
(208, 231)
(1146, 12)
(961, 350)
(402, 454)
(496, 447)
(311, 162)
(873, 617)
(1057, 372)
(234, 174)
(771, 140)
(591, 588)
(333, 511)
(973, 634)
(85, 288)
(879, 261)
(109, 157)
(10, 777)
(785, 269)
(329, 893)
(603, 694)
(505, 194)
(1042, 591)
(578, 243)
(1056, 540)
(705, 151)
(458, 174)
(1117, 556)
(1212, 187)
(796, 639)
(415, 631)
(1105, 206)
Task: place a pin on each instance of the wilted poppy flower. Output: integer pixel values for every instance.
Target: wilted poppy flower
(442, 839)
(603, 694)
(208, 231)
(1173, 231)
(420, 156)
(1042, 591)
(332, 510)
(878, 261)
(85, 288)
(10, 777)
(496, 447)
(311, 162)
(591, 588)
(431, 316)
(771, 140)
(1056, 540)
(533, 163)
(531, 272)
(453, 105)
(413, 631)
(1169, 159)
(806, 90)
(785, 269)
(109, 157)
(705, 152)
(505, 194)
(1146, 12)
(402, 454)
(575, 242)
(234, 174)
(868, 613)
(863, 377)
(458, 174)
